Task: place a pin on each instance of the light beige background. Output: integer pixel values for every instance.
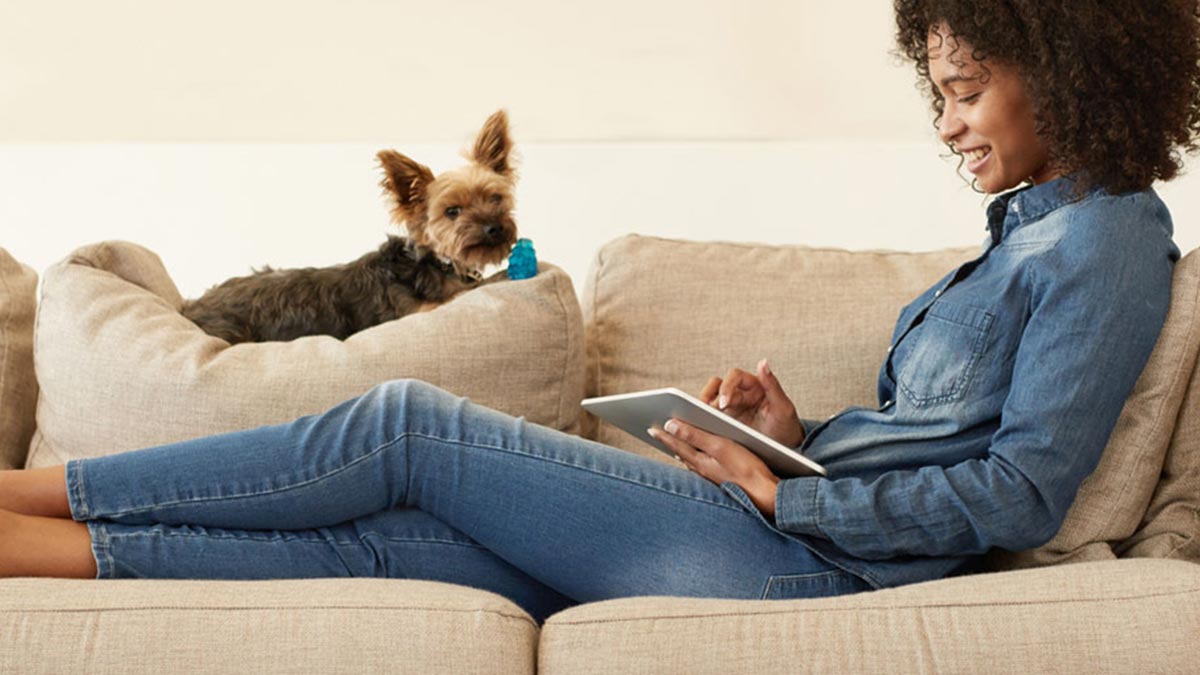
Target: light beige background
(226, 134)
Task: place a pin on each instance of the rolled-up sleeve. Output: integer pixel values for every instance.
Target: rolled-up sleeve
(1095, 313)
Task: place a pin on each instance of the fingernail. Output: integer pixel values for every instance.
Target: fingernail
(671, 427)
(722, 402)
(766, 367)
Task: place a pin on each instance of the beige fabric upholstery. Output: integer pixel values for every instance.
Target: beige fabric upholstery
(18, 387)
(673, 313)
(121, 369)
(293, 626)
(1128, 616)
(1171, 526)
(662, 312)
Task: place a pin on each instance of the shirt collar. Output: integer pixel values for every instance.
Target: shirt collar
(1015, 208)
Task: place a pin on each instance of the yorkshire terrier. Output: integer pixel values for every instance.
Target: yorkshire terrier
(458, 223)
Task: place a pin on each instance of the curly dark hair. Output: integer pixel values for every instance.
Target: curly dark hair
(1114, 84)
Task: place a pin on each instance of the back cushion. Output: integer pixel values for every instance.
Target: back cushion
(121, 368)
(674, 313)
(18, 386)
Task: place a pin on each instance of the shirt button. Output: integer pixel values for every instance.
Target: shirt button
(887, 403)
(890, 348)
(938, 294)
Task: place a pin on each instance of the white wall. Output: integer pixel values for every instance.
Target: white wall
(231, 134)
(363, 70)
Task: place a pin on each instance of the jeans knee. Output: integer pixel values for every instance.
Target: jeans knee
(398, 403)
(401, 391)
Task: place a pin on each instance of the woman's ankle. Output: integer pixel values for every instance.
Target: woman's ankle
(33, 546)
(35, 492)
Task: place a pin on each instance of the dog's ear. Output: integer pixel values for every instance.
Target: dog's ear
(493, 145)
(405, 180)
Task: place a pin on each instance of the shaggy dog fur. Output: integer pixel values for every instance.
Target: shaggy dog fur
(457, 222)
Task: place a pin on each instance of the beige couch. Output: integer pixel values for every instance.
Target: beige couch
(118, 368)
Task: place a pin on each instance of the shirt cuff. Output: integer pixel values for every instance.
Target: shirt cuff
(807, 426)
(796, 506)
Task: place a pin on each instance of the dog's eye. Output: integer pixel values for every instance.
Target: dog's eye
(453, 212)
(496, 199)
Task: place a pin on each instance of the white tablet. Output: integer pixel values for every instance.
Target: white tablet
(635, 413)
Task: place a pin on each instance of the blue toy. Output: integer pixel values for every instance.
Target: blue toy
(522, 262)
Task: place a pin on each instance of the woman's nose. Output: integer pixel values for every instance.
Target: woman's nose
(950, 125)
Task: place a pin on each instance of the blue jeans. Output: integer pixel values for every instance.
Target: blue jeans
(409, 481)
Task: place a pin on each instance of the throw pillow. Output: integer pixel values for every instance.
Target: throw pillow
(121, 369)
(18, 386)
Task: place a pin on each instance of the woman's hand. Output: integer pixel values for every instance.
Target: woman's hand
(720, 459)
(757, 401)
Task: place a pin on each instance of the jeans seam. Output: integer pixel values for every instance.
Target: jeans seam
(512, 451)
(102, 550)
(78, 491)
(358, 542)
(180, 502)
(404, 437)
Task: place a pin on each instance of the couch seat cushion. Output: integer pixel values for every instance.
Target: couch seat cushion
(288, 626)
(18, 386)
(1121, 616)
(121, 369)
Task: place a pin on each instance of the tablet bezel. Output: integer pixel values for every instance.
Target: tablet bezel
(636, 412)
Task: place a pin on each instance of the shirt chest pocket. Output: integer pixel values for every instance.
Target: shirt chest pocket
(935, 362)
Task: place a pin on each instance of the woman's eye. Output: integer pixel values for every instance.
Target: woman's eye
(453, 212)
(970, 99)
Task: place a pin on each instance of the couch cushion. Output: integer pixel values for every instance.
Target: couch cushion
(1124, 616)
(121, 369)
(1171, 526)
(293, 626)
(18, 386)
(673, 313)
(662, 312)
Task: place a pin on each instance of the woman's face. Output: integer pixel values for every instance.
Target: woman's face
(987, 118)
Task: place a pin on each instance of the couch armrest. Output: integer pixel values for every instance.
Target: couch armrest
(1118, 616)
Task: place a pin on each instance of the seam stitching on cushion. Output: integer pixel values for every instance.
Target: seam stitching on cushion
(805, 610)
(257, 608)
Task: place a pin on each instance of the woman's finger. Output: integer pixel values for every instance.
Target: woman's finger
(709, 393)
(771, 387)
(706, 446)
(739, 390)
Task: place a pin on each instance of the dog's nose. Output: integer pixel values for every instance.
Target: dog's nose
(493, 231)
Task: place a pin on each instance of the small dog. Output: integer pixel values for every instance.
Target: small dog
(458, 223)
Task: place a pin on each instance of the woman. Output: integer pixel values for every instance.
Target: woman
(997, 396)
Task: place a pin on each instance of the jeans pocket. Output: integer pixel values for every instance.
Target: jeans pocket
(814, 585)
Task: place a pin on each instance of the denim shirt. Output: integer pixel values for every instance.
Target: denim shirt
(998, 394)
